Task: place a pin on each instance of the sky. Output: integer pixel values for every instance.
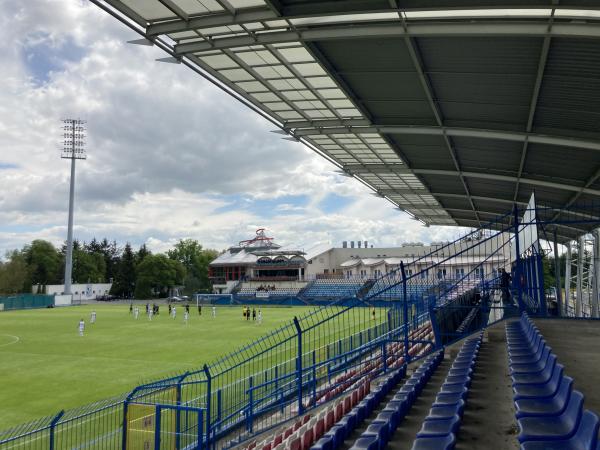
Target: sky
(170, 156)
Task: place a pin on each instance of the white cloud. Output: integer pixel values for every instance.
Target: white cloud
(166, 149)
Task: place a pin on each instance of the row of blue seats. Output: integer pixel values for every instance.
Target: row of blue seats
(441, 425)
(549, 412)
(327, 288)
(335, 437)
(380, 430)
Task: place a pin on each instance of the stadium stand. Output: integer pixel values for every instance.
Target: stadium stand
(550, 413)
(333, 288)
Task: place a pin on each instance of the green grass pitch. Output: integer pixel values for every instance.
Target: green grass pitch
(45, 366)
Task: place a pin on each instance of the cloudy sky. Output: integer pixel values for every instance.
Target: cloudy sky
(169, 155)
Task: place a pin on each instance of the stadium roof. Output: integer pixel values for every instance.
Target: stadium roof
(453, 110)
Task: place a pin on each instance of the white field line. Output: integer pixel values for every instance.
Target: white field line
(14, 341)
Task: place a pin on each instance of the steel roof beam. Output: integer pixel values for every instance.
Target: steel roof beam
(417, 61)
(211, 20)
(534, 99)
(337, 127)
(441, 29)
(260, 14)
(386, 168)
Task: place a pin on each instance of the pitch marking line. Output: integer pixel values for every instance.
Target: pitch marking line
(14, 341)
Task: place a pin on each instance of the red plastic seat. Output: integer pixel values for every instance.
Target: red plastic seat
(287, 433)
(347, 405)
(267, 446)
(278, 440)
(307, 439)
(329, 420)
(361, 391)
(319, 429)
(297, 425)
(339, 411)
(354, 398)
(305, 419)
(295, 444)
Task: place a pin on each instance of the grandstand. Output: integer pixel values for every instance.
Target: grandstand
(455, 111)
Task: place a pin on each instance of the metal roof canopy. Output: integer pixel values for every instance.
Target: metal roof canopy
(451, 110)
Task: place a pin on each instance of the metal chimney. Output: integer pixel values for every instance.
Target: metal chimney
(351, 244)
(359, 244)
(366, 244)
(345, 244)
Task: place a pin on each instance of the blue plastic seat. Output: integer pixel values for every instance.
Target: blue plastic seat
(531, 357)
(458, 379)
(449, 399)
(584, 438)
(366, 443)
(392, 418)
(446, 412)
(325, 443)
(380, 430)
(439, 427)
(408, 397)
(348, 422)
(460, 372)
(401, 406)
(452, 388)
(536, 377)
(550, 406)
(551, 428)
(547, 356)
(435, 443)
(540, 390)
(338, 434)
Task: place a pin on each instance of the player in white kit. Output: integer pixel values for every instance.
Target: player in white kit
(136, 313)
(93, 317)
(81, 327)
(214, 311)
(173, 312)
(186, 316)
(150, 314)
(259, 317)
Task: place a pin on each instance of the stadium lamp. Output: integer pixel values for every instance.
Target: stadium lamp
(73, 149)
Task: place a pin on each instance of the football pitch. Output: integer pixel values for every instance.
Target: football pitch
(45, 366)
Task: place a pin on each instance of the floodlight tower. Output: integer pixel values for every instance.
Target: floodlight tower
(73, 149)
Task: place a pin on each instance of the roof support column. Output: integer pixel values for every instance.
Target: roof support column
(567, 279)
(580, 257)
(559, 303)
(596, 273)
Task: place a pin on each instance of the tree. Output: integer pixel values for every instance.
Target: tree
(88, 267)
(156, 274)
(142, 253)
(195, 259)
(110, 251)
(124, 281)
(13, 273)
(45, 263)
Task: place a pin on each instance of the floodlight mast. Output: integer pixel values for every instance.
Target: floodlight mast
(73, 149)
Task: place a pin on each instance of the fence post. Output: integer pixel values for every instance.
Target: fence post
(208, 401)
(125, 408)
(52, 428)
(250, 415)
(540, 283)
(219, 406)
(404, 313)
(518, 261)
(314, 374)
(157, 429)
(178, 412)
(384, 356)
(299, 366)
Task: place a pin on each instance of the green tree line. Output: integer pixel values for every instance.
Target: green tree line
(134, 273)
